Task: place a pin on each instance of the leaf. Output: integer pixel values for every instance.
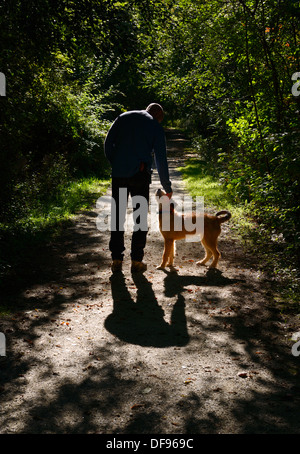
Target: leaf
(146, 390)
(242, 374)
(29, 341)
(135, 406)
(188, 381)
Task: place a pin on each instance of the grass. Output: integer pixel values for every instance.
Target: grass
(76, 196)
(200, 182)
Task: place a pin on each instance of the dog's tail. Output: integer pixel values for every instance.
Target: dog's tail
(223, 218)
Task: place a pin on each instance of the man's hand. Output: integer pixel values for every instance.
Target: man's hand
(169, 194)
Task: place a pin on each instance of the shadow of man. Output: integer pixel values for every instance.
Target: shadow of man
(142, 321)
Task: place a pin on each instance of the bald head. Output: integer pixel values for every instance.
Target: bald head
(156, 111)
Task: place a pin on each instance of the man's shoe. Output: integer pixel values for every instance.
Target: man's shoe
(138, 266)
(116, 265)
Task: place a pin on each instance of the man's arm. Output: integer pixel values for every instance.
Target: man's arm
(160, 153)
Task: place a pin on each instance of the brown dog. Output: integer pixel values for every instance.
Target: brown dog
(212, 229)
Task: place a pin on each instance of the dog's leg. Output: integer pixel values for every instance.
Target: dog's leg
(172, 253)
(211, 243)
(166, 254)
(208, 254)
(216, 255)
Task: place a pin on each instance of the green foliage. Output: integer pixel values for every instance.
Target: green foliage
(224, 69)
(54, 117)
(273, 252)
(69, 199)
(201, 179)
(40, 219)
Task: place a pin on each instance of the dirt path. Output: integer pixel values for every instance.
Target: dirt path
(190, 352)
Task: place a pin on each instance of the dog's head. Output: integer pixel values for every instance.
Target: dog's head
(164, 203)
(159, 193)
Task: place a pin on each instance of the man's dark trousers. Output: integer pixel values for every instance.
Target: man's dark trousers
(137, 185)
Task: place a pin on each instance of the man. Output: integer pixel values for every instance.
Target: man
(129, 145)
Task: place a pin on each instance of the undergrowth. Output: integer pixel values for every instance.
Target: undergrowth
(44, 222)
(271, 252)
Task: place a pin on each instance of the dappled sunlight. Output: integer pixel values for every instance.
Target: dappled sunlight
(185, 350)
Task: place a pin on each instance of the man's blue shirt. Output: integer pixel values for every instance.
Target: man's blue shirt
(131, 140)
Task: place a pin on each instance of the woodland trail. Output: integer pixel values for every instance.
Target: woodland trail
(191, 352)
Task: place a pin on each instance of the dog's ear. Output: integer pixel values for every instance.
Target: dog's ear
(159, 193)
